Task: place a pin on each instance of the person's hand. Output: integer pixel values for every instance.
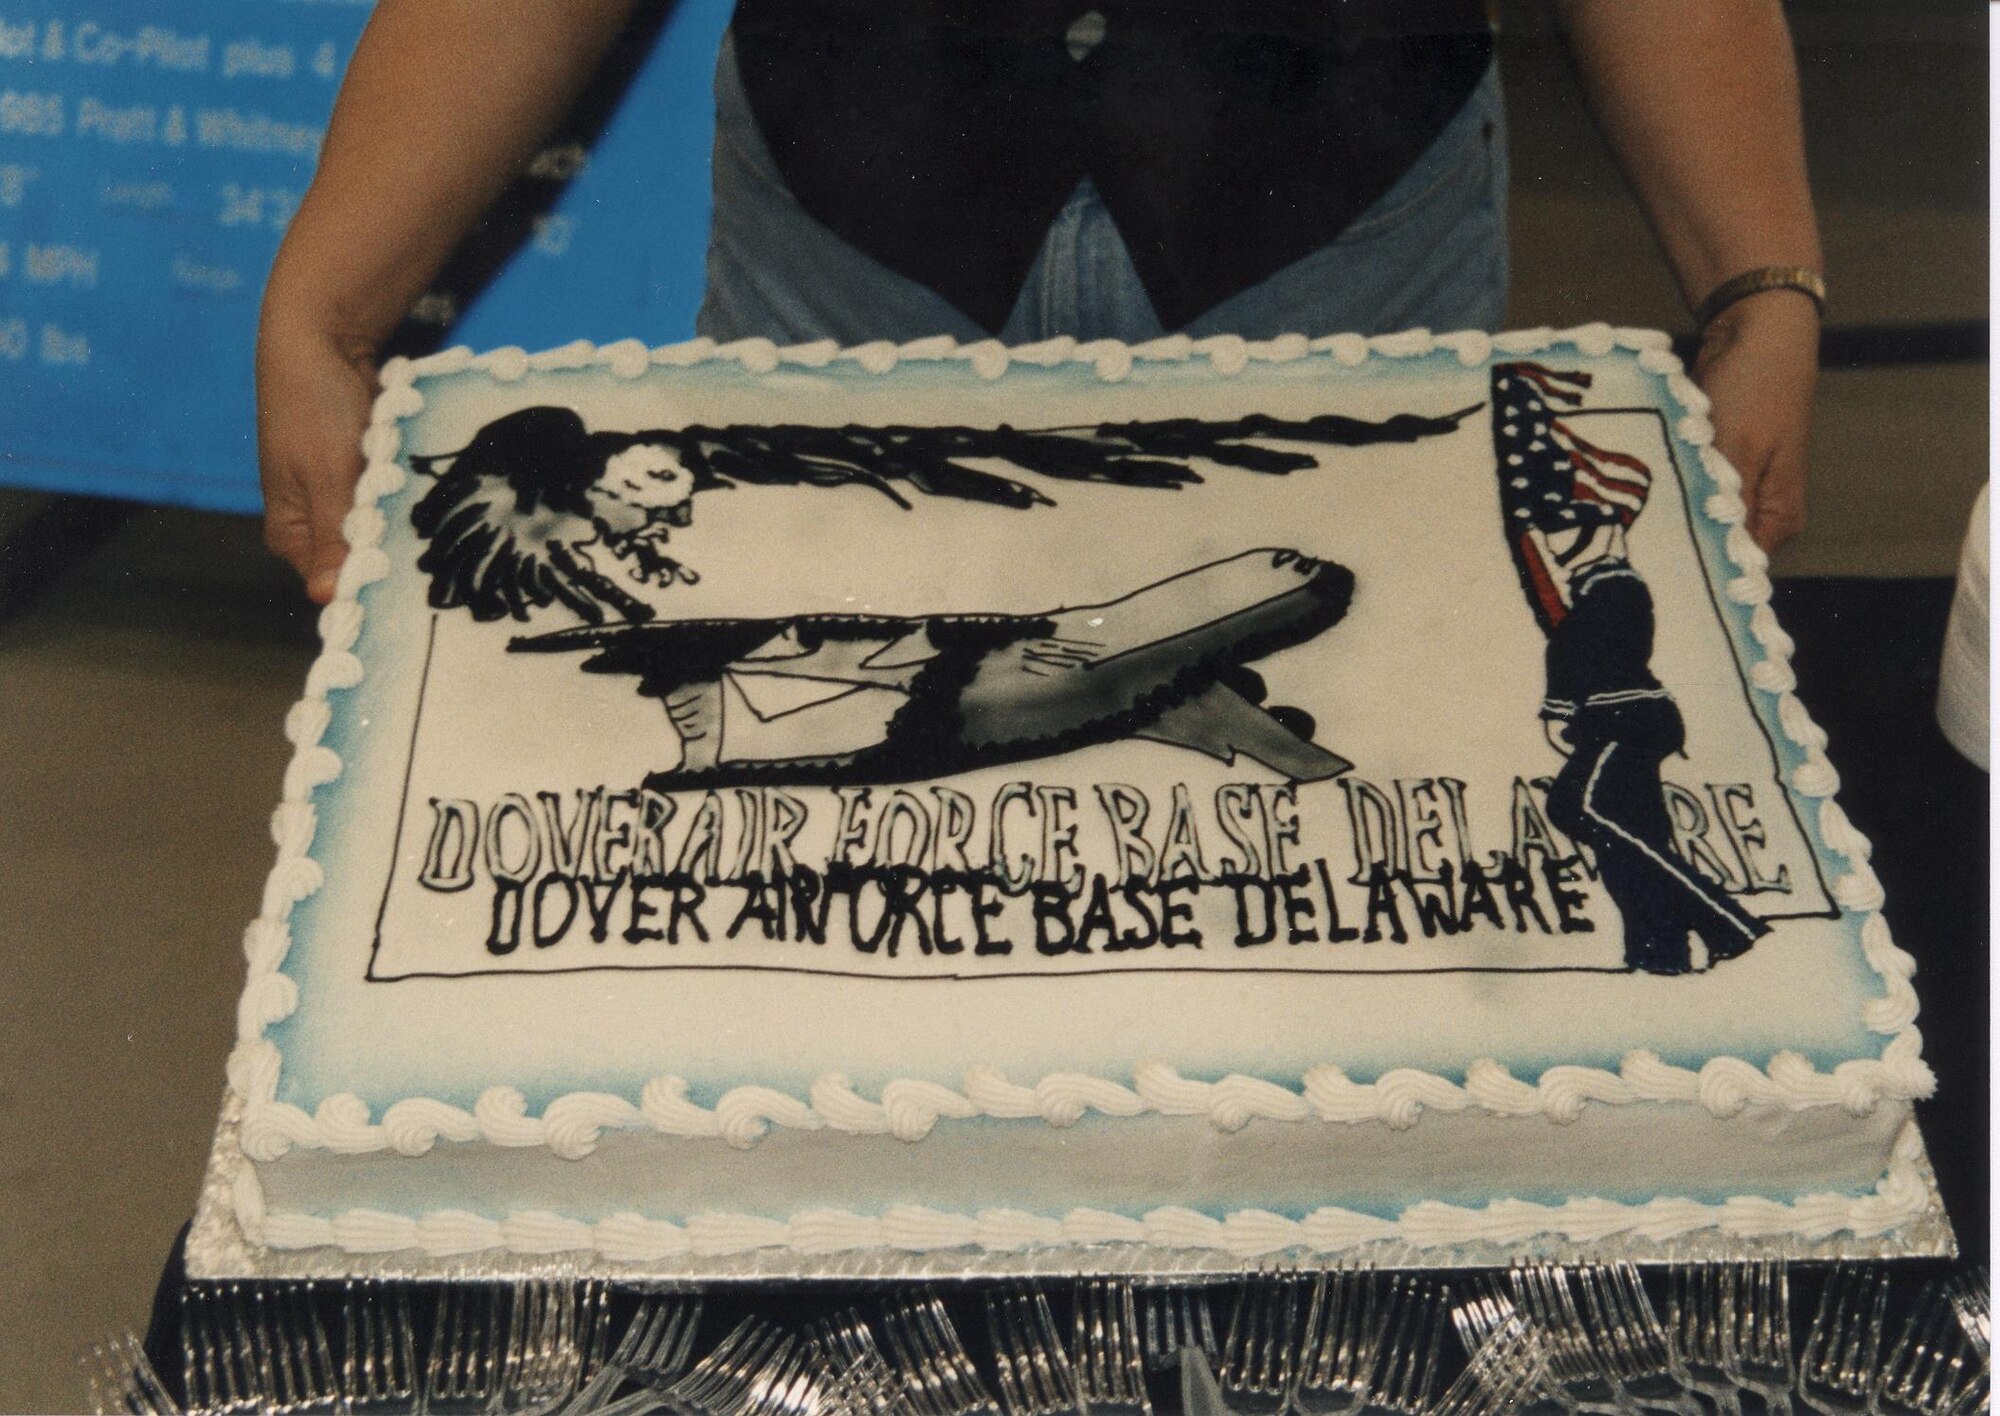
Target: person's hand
(1758, 364)
(313, 397)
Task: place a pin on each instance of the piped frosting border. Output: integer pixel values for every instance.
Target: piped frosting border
(909, 1110)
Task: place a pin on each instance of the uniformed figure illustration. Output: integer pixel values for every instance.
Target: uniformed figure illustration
(1567, 505)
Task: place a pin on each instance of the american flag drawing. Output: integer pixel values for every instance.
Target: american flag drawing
(1566, 500)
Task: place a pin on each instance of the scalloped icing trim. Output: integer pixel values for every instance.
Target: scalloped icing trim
(1899, 1199)
(571, 1125)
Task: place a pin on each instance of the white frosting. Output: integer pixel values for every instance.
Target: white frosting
(1899, 1199)
(911, 1109)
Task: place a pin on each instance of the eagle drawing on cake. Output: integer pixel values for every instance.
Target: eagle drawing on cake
(539, 510)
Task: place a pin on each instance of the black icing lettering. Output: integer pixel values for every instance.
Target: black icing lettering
(804, 888)
(505, 935)
(1243, 887)
(1562, 875)
(685, 903)
(545, 935)
(600, 911)
(1054, 933)
(1382, 905)
(612, 847)
(1423, 828)
(1476, 898)
(903, 890)
(762, 903)
(1436, 901)
(639, 909)
(1519, 888)
(1336, 932)
(1097, 918)
(944, 885)
(1134, 893)
(984, 910)
(1299, 914)
(1174, 913)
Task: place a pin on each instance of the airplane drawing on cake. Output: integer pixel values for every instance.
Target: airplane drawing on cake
(837, 699)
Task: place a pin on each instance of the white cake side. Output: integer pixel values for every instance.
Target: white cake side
(1872, 1186)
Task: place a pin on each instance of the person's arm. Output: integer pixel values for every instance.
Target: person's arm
(444, 102)
(1700, 102)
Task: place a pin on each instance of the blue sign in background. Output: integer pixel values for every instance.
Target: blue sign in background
(151, 156)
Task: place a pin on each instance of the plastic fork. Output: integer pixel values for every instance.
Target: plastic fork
(1255, 1376)
(462, 1369)
(1172, 1318)
(719, 1381)
(1337, 1345)
(1760, 1339)
(1972, 1304)
(862, 1381)
(1931, 1368)
(1579, 1376)
(1701, 1317)
(122, 1379)
(939, 1377)
(1104, 1346)
(1407, 1342)
(1631, 1342)
(1036, 1378)
(1508, 1368)
(653, 1351)
(1838, 1368)
(378, 1367)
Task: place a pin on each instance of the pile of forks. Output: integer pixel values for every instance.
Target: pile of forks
(1550, 1340)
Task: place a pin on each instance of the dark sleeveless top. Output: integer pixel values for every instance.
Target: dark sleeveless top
(1228, 138)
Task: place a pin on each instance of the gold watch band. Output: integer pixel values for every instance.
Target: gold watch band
(1803, 279)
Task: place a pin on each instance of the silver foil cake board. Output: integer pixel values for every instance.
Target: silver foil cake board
(217, 1249)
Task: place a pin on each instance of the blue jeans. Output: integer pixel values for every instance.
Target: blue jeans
(1431, 252)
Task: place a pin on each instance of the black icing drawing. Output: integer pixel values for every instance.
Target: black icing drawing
(517, 518)
(1567, 505)
(835, 699)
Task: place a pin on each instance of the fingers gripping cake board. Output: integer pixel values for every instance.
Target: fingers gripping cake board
(814, 810)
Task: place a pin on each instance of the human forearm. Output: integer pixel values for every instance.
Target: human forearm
(1700, 102)
(444, 101)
